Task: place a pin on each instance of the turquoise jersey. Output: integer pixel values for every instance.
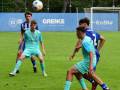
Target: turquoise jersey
(87, 46)
(32, 39)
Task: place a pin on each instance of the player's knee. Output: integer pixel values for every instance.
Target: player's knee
(19, 54)
(91, 74)
(69, 71)
(33, 58)
(41, 60)
(21, 57)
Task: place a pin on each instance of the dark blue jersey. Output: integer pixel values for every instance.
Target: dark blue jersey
(26, 25)
(95, 37)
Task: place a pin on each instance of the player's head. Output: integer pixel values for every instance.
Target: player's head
(84, 22)
(28, 16)
(33, 24)
(80, 32)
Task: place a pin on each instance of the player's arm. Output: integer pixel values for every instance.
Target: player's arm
(87, 46)
(43, 48)
(42, 44)
(91, 60)
(101, 43)
(21, 37)
(21, 34)
(77, 47)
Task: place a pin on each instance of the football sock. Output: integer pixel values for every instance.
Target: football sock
(67, 85)
(82, 83)
(17, 66)
(42, 67)
(18, 56)
(34, 63)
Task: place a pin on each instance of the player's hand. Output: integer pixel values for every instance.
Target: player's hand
(90, 71)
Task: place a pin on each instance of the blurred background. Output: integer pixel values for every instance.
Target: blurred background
(55, 5)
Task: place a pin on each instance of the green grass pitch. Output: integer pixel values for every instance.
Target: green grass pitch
(59, 46)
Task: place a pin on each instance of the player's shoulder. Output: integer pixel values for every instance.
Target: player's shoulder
(86, 39)
(23, 23)
(37, 31)
(27, 31)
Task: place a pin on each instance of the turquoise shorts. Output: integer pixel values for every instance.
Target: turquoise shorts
(30, 52)
(83, 67)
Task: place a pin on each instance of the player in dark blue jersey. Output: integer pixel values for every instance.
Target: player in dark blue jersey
(25, 26)
(98, 41)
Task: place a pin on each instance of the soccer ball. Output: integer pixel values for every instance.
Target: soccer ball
(37, 5)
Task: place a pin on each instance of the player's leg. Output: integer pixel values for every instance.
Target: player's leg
(99, 81)
(42, 65)
(80, 68)
(91, 80)
(87, 77)
(34, 64)
(17, 66)
(19, 62)
(97, 59)
(69, 77)
(20, 51)
(94, 83)
(81, 81)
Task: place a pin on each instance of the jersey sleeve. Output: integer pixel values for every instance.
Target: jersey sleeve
(87, 46)
(22, 28)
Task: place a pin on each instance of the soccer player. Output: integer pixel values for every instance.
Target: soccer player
(25, 26)
(98, 44)
(98, 41)
(87, 64)
(32, 38)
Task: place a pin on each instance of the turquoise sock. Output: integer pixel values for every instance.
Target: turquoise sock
(42, 67)
(82, 83)
(17, 66)
(67, 85)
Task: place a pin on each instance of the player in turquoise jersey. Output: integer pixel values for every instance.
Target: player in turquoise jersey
(98, 40)
(32, 38)
(87, 64)
(25, 26)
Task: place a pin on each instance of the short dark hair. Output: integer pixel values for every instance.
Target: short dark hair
(28, 13)
(33, 22)
(82, 29)
(84, 20)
